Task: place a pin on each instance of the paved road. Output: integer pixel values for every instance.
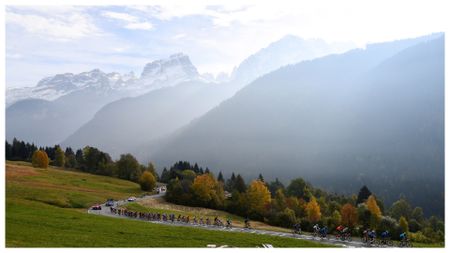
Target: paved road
(106, 212)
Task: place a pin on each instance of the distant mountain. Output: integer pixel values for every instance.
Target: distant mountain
(59, 105)
(137, 124)
(288, 50)
(372, 116)
(157, 74)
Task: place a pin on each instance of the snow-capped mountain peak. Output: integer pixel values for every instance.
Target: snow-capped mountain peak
(178, 64)
(167, 72)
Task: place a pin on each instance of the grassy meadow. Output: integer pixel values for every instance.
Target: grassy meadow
(47, 208)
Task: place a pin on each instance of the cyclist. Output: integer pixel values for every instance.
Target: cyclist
(404, 241)
(323, 232)
(218, 222)
(297, 228)
(316, 229)
(339, 230)
(346, 234)
(403, 236)
(247, 223)
(372, 235)
(365, 236)
(228, 223)
(384, 236)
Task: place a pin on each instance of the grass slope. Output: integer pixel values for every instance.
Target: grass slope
(44, 209)
(162, 206)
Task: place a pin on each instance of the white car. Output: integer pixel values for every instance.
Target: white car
(131, 199)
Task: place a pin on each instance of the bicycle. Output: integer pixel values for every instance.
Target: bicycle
(386, 241)
(405, 244)
(296, 232)
(345, 237)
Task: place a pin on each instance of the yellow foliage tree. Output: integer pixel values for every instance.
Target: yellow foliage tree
(258, 197)
(40, 159)
(403, 224)
(204, 187)
(349, 215)
(313, 210)
(147, 181)
(373, 207)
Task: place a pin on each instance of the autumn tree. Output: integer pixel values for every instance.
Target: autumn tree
(147, 181)
(373, 206)
(59, 157)
(258, 197)
(207, 191)
(313, 210)
(375, 211)
(40, 159)
(403, 224)
(349, 215)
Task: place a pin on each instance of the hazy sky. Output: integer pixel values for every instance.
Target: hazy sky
(217, 35)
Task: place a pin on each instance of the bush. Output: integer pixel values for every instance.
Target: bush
(147, 181)
(287, 218)
(40, 159)
(419, 237)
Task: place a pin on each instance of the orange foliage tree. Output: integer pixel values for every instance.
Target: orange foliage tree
(349, 215)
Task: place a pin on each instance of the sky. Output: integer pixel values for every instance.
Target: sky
(46, 40)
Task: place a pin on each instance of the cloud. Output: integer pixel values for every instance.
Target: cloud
(179, 36)
(63, 27)
(130, 22)
(139, 26)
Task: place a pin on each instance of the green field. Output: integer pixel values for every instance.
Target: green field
(47, 208)
(159, 205)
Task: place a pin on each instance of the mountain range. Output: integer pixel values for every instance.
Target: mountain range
(72, 103)
(371, 116)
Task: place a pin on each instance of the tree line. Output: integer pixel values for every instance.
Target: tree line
(88, 159)
(299, 202)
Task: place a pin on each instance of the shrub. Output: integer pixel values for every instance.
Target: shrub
(40, 159)
(419, 237)
(287, 218)
(147, 181)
